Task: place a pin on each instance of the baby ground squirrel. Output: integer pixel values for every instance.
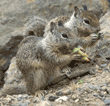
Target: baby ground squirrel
(82, 22)
(41, 59)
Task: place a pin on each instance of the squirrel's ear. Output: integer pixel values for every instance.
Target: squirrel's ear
(53, 26)
(77, 12)
(84, 7)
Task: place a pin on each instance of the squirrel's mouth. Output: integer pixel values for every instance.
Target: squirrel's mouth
(65, 50)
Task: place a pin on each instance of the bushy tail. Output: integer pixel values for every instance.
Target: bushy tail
(35, 26)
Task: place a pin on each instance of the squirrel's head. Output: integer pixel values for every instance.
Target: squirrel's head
(63, 39)
(84, 22)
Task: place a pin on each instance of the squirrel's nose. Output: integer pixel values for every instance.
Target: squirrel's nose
(98, 29)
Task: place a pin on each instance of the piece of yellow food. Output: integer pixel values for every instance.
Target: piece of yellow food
(81, 53)
(97, 34)
(85, 58)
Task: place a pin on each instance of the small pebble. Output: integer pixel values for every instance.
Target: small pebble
(88, 90)
(106, 69)
(35, 99)
(86, 99)
(59, 93)
(8, 99)
(64, 98)
(98, 91)
(104, 88)
(77, 100)
(102, 93)
(74, 96)
(52, 98)
(103, 65)
(25, 96)
(108, 90)
(60, 101)
(95, 94)
(66, 92)
(103, 98)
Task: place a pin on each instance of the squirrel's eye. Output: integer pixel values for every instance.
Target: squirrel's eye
(31, 33)
(86, 21)
(60, 23)
(64, 35)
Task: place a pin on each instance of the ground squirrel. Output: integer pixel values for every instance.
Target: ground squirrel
(40, 59)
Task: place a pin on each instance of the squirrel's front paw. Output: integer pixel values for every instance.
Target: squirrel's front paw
(100, 35)
(76, 57)
(67, 70)
(94, 37)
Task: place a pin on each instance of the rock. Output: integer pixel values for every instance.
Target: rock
(108, 90)
(95, 94)
(63, 98)
(35, 100)
(63, 92)
(16, 80)
(60, 101)
(66, 92)
(105, 24)
(103, 98)
(52, 98)
(102, 93)
(107, 101)
(19, 97)
(44, 103)
(91, 86)
(92, 71)
(98, 91)
(74, 96)
(77, 100)
(87, 89)
(9, 100)
(103, 65)
(16, 75)
(97, 103)
(104, 88)
(19, 103)
(59, 93)
(86, 99)
(8, 51)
